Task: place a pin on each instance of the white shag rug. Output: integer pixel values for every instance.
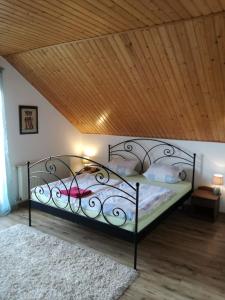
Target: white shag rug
(34, 265)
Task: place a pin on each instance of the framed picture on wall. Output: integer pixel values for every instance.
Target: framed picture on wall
(28, 116)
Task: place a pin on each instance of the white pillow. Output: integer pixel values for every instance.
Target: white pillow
(163, 173)
(123, 167)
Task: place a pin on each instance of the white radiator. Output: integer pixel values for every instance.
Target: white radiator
(22, 182)
(62, 172)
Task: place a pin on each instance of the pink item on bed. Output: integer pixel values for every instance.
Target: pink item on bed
(74, 192)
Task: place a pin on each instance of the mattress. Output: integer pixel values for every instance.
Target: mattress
(179, 189)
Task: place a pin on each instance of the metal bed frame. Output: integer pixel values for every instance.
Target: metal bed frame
(146, 151)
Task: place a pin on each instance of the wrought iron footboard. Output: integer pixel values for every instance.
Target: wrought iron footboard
(59, 191)
(51, 188)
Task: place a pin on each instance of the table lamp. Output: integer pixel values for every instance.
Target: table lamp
(217, 182)
(88, 153)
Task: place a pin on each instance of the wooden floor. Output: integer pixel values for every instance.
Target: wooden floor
(183, 258)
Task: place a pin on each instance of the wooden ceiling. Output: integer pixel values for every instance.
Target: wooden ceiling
(124, 67)
(26, 24)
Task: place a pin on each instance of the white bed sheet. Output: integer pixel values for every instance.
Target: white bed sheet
(110, 200)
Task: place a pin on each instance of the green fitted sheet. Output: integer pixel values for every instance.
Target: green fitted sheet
(180, 190)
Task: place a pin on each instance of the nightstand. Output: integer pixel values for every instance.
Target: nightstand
(205, 203)
(88, 170)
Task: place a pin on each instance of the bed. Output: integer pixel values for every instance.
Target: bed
(127, 207)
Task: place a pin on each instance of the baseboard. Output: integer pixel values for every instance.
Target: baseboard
(22, 204)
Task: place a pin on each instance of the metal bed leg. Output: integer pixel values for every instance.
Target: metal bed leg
(135, 253)
(136, 227)
(28, 187)
(29, 208)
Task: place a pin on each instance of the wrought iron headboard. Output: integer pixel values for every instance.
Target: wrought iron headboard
(148, 151)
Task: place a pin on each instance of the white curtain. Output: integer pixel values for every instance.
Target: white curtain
(6, 200)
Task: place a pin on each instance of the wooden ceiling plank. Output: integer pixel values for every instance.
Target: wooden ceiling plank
(84, 71)
(178, 83)
(203, 7)
(157, 86)
(72, 90)
(150, 101)
(222, 3)
(67, 17)
(215, 70)
(90, 11)
(118, 48)
(97, 18)
(138, 99)
(17, 41)
(89, 74)
(119, 72)
(23, 28)
(197, 99)
(147, 13)
(164, 64)
(214, 5)
(104, 86)
(220, 34)
(192, 81)
(121, 97)
(210, 94)
(149, 10)
(76, 65)
(59, 70)
(51, 96)
(120, 15)
(175, 56)
(66, 92)
(155, 11)
(196, 50)
(179, 9)
(128, 52)
(33, 19)
(82, 89)
(168, 10)
(153, 5)
(153, 104)
(191, 7)
(118, 79)
(133, 11)
(50, 72)
(6, 28)
(160, 78)
(151, 82)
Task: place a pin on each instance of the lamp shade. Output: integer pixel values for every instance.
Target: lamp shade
(89, 152)
(218, 179)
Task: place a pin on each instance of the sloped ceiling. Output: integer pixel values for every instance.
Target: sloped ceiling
(163, 80)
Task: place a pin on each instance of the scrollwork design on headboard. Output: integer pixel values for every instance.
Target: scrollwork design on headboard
(149, 151)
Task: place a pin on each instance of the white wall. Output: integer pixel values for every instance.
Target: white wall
(56, 134)
(210, 156)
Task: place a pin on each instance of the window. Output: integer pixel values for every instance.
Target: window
(4, 198)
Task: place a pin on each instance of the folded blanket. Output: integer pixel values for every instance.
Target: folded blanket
(74, 192)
